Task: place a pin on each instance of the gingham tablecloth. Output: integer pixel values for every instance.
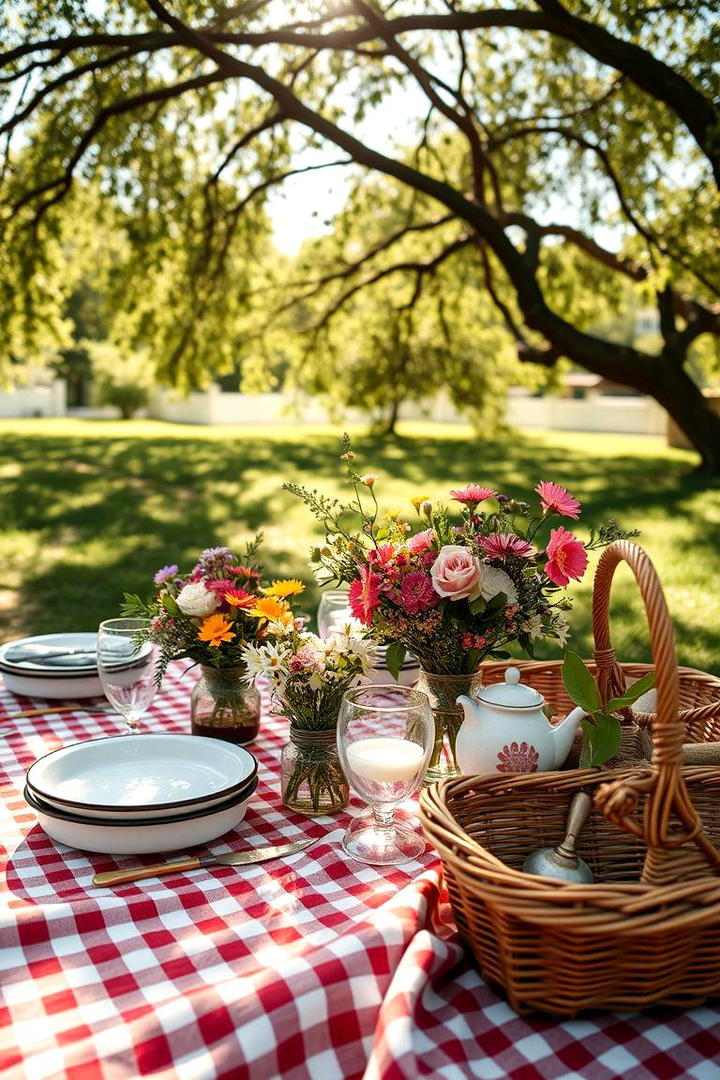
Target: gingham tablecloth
(313, 966)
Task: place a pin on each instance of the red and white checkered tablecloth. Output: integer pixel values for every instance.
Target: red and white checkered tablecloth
(314, 966)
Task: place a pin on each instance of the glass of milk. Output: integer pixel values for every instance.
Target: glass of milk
(385, 738)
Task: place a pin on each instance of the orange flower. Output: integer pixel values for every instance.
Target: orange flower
(288, 587)
(216, 629)
(239, 598)
(275, 611)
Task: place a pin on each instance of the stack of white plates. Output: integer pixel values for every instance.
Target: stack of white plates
(136, 794)
(407, 676)
(52, 666)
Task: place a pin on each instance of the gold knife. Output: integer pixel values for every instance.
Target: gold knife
(238, 858)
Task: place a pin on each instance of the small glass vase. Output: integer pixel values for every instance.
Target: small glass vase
(311, 776)
(443, 691)
(222, 706)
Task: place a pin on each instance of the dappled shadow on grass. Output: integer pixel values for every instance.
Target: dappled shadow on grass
(105, 511)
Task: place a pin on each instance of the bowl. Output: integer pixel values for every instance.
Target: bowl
(140, 777)
(53, 688)
(122, 836)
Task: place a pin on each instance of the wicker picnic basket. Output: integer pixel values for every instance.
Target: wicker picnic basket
(648, 931)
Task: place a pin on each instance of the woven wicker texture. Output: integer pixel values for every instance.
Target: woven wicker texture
(648, 930)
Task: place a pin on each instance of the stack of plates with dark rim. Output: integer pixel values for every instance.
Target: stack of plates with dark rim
(407, 676)
(136, 794)
(52, 666)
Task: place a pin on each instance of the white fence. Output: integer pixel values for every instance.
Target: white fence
(35, 400)
(631, 415)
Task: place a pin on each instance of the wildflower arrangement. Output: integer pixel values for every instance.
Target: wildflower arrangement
(309, 677)
(453, 591)
(210, 614)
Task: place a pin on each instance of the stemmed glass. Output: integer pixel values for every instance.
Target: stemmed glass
(385, 738)
(333, 611)
(126, 664)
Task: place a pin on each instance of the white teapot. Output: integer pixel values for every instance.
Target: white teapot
(505, 730)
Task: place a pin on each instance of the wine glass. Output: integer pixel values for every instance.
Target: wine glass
(127, 662)
(385, 738)
(333, 611)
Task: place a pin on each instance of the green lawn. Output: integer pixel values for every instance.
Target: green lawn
(91, 509)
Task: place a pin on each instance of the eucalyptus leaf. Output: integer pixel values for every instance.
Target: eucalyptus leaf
(395, 657)
(580, 684)
(632, 693)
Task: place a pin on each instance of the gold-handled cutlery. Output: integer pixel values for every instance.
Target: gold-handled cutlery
(237, 858)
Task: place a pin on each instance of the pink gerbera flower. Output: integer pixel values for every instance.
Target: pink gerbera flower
(382, 555)
(472, 494)
(363, 595)
(421, 541)
(567, 557)
(555, 499)
(417, 592)
(498, 545)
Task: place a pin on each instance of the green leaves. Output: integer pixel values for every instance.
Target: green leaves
(601, 739)
(580, 684)
(395, 657)
(632, 693)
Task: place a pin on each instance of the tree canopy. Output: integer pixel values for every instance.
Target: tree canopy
(567, 152)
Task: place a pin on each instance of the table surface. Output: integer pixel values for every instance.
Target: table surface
(314, 966)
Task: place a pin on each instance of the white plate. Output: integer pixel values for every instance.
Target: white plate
(64, 668)
(140, 773)
(37, 686)
(142, 839)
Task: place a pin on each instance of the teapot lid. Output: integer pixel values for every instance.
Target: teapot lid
(511, 693)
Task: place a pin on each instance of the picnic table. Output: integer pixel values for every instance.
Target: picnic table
(312, 966)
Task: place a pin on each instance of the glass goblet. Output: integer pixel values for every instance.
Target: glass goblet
(385, 738)
(127, 661)
(333, 611)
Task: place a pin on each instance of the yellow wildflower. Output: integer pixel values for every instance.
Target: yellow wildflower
(418, 500)
(216, 629)
(281, 589)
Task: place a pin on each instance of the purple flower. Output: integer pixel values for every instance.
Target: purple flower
(211, 554)
(165, 573)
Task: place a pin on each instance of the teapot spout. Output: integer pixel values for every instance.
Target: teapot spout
(563, 735)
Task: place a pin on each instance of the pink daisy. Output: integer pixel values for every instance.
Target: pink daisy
(472, 494)
(555, 499)
(417, 592)
(567, 557)
(498, 545)
(363, 595)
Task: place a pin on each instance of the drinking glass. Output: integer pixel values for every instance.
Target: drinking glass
(333, 611)
(385, 738)
(126, 664)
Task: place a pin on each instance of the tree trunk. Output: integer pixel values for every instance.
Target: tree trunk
(392, 419)
(693, 414)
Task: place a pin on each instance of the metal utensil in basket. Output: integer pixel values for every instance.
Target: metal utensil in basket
(648, 931)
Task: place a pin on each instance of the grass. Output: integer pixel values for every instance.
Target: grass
(90, 509)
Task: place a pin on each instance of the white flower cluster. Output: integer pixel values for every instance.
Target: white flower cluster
(309, 658)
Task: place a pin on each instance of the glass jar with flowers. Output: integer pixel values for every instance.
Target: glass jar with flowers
(309, 677)
(209, 616)
(453, 590)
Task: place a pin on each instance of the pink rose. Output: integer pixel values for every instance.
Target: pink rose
(456, 573)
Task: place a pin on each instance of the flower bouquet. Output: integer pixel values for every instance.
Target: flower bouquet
(209, 616)
(453, 590)
(309, 677)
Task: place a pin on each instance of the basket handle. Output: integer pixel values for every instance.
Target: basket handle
(664, 786)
